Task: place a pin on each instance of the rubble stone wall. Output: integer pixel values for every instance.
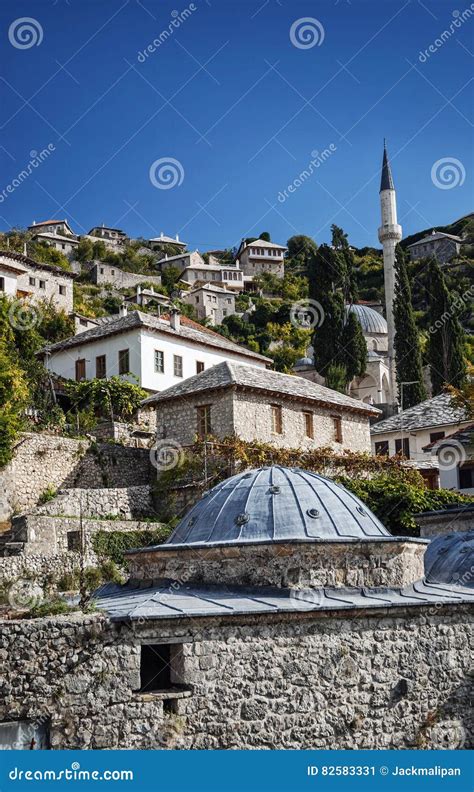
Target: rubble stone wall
(372, 679)
(445, 521)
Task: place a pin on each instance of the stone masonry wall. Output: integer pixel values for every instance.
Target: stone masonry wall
(178, 419)
(44, 461)
(394, 678)
(299, 566)
(109, 273)
(446, 521)
(124, 502)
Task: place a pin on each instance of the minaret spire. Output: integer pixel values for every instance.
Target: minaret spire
(390, 233)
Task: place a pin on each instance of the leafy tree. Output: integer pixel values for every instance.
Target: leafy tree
(301, 250)
(464, 397)
(13, 401)
(40, 251)
(169, 277)
(446, 337)
(354, 348)
(85, 250)
(105, 396)
(407, 341)
(265, 236)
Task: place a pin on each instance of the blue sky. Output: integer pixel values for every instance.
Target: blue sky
(230, 97)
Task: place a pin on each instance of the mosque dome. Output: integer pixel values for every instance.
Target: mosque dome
(275, 503)
(449, 559)
(304, 361)
(371, 320)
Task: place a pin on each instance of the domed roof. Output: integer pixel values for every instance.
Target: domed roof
(277, 504)
(449, 559)
(371, 320)
(304, 361)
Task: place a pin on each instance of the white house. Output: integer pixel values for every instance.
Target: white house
(24, 277)
(261, 256)
(412, 430)
(155, 352)
(65, 244)
(158, 243)
(52, 227)
(211, 302)
(455, 455)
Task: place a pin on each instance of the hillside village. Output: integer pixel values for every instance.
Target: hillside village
(316, 393)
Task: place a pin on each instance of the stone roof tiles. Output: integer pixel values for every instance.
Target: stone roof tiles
(437, 411)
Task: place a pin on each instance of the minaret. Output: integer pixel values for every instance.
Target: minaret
(390, 233)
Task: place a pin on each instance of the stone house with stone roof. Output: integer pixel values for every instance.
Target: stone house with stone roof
(233, 398)
(442, 246)
(21, 276)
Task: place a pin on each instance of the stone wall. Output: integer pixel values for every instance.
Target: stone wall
(394, 678)
(42, 462)
(249, 416)
(445, 521)
(124, 502)
(109, 273)
(299, 566)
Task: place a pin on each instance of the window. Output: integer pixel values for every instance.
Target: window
(466, 477)
(277, 420)
(100, 367)
(308, 424)
(63, 247)
(228, 300)
(74, 541)
(199, 366)
(435, 436)
(80, 369)
(62, 290)
(101, 270)
(197, 299)
(381, 448)
(32, 281)
(203, 420)
(156, 672)
(83, 322)
(337, 423)
(113, 272)
(178, 365)
(403, 447)
(224, 312)
(124, 361)
(2, 284)
(42, 284)
(159, 361)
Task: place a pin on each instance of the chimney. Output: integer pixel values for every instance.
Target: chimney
(123, 310)
(175, 321)
(139, 290)
(161, 234)
(177, 237)
(24, 249)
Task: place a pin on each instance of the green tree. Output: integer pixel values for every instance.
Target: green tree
(341, 244)
(301, 250)
(104, 396)
(85, 250)
(265, 235)
(169, 277)
(446, 336)
(407, 341)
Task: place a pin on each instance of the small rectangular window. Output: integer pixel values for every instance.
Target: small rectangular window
(83, 322)
(100, 367)
(74, 541)
(42, 284)
(337, 424)
(277, 419)
(403, 447)
(178, 365)
(308, 424)
(2, 284)
(62, 290)
(199, 366)
(466, 477)
(80, 369)
(159, 361)
(203, 420)
(381, 448)
(101, 270)
(155, 668)
(32, 281)
(435, 436)
(124, 361)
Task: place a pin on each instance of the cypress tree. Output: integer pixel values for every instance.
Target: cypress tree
(407, 341)
(446, 336)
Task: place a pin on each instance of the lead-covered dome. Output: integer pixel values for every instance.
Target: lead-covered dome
(370, 320)
(277, 504)
(449, 559)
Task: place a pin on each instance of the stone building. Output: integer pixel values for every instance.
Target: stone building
(442, 246)
(61, 227)
(260, 256)
(280, 614)
(108, 234)
(102, 273)
(211, 302)
(163, 242)
(23, 277)
(257, 404)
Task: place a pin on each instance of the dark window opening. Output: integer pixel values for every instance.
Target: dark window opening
(80, 369)
(155, 667)
(203, 421)
(124, 361)
(199, 366)
(2, 284)
(435, 436)
(74, 541)
(337, 423)
(100, 367)
(381, 448)
(466, 477)
(403, 446)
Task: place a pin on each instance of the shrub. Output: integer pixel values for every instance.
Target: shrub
(48, 495)
(111, 545)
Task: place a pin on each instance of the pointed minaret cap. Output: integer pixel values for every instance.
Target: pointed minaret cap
(386, 182)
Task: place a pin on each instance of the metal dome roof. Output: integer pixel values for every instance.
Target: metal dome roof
(304, 361)
(371, 320)
(276, 504)
(450, 559)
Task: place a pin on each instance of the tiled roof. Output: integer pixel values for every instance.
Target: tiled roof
(263, 243)
(29, 262)
(48, 222)
(168, 240)
(189, 331)
(433, 236)
(437, 411)
(230, 374)
(59, 237)
(169, 601)
(465, 436)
